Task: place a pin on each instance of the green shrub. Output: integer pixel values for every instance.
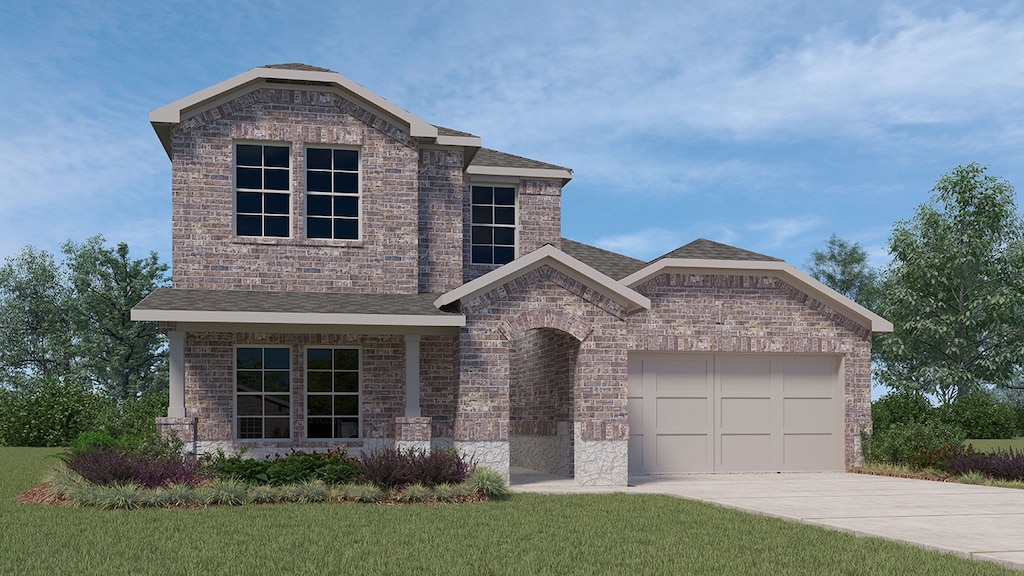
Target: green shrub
(331, 467)
(488, 482)
(50, 413)
(916, 444)
(981, 414)
(899, 407)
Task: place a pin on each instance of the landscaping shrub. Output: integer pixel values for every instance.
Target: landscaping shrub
(899, 407)
(916, 444)
(980, 414)
(50, 413)
(330, 467)
(1000, 465)
(393, 468)
(150, 461)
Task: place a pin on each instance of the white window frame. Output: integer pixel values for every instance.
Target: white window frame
(236, 418)
(358, 394)
(263, 214)
(514, 226)
(358, 194)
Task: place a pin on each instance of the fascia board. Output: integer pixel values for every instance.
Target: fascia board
(473, 141)
(541, 173)
(551, 256)
(298, 318)
(782, 270)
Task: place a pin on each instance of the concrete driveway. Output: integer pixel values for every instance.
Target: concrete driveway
(970, 521)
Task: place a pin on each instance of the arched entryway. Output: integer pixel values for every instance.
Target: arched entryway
(543, 368)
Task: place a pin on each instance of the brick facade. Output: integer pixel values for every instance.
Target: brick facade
(756, 314)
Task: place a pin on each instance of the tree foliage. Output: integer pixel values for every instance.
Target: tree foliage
(70, 356)
(844, 267)
(954, 290)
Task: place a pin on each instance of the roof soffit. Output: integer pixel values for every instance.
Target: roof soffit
(548, 255)
(777, 268)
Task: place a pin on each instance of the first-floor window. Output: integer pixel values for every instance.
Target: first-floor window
(263, 392)
(332, 393)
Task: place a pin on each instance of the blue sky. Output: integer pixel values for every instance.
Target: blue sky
(766, 125)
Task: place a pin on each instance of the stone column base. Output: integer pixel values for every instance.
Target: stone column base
(493, 454)
(412, 433)
(186, 429)
(601, 462)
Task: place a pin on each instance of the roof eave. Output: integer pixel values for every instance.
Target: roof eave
(780, 269)
(565, 175)
(630, 299)
(297, 318)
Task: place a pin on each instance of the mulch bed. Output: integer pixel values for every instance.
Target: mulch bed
(43, 494)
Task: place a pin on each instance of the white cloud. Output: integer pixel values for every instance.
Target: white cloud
(643, 244)
(777, 232)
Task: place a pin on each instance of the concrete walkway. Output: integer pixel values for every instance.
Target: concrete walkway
(970, 521)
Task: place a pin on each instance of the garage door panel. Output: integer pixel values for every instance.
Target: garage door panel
(745, 414)
(635, 410)
(683, 453)
(809, 452)
(808, 414)
(745, 452)
(687, 378)
(809, 376)
(636, 450)
(744, 377)
(683, 414)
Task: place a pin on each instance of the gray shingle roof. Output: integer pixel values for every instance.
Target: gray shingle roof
(494, 158)
(611, 264)
(292, 302)
(701, 249)
(297, 66)
(442, 131)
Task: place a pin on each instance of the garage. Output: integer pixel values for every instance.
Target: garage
(734, 413)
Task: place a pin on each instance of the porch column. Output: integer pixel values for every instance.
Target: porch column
(412, 375)
(412, 431)
(176, 374)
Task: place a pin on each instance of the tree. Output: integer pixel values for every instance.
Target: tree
(120, 356)
(35, 329)
(954, 290)
(843, 266)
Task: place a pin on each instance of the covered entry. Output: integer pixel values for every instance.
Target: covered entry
(734, 413)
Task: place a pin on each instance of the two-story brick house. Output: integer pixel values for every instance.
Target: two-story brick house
(346, 274)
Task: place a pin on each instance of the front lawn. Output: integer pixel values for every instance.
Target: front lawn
(1017, 444)
(526, 534)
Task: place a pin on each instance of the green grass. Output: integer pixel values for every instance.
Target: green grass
(992, 445)
(525, 534)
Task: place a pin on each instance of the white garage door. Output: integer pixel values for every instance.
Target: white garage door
(734, 413)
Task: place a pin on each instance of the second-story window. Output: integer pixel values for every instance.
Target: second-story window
(332, 193)
(493, 233)
(262, 186)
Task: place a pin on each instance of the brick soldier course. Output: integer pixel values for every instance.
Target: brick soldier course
(524, 363)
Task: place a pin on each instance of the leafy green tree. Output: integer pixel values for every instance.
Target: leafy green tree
(120, 356)
(36, 339)
(843, 267)
(954, 290)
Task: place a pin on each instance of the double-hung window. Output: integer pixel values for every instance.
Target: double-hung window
(262, 185)
(263, 392)
(332, 393)
(493, 232)
(332, 193)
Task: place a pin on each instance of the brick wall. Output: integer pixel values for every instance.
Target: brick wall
(756, 314)
(206, 254)
(440, 220)
(210, 393)
(543, 364)
(540, 221)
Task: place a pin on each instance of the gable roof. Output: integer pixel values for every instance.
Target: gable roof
(548, 255)
(488, 162)
(612, 264)
(165, 117)
(704, 249)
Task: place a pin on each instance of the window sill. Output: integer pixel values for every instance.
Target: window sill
(304, 242)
